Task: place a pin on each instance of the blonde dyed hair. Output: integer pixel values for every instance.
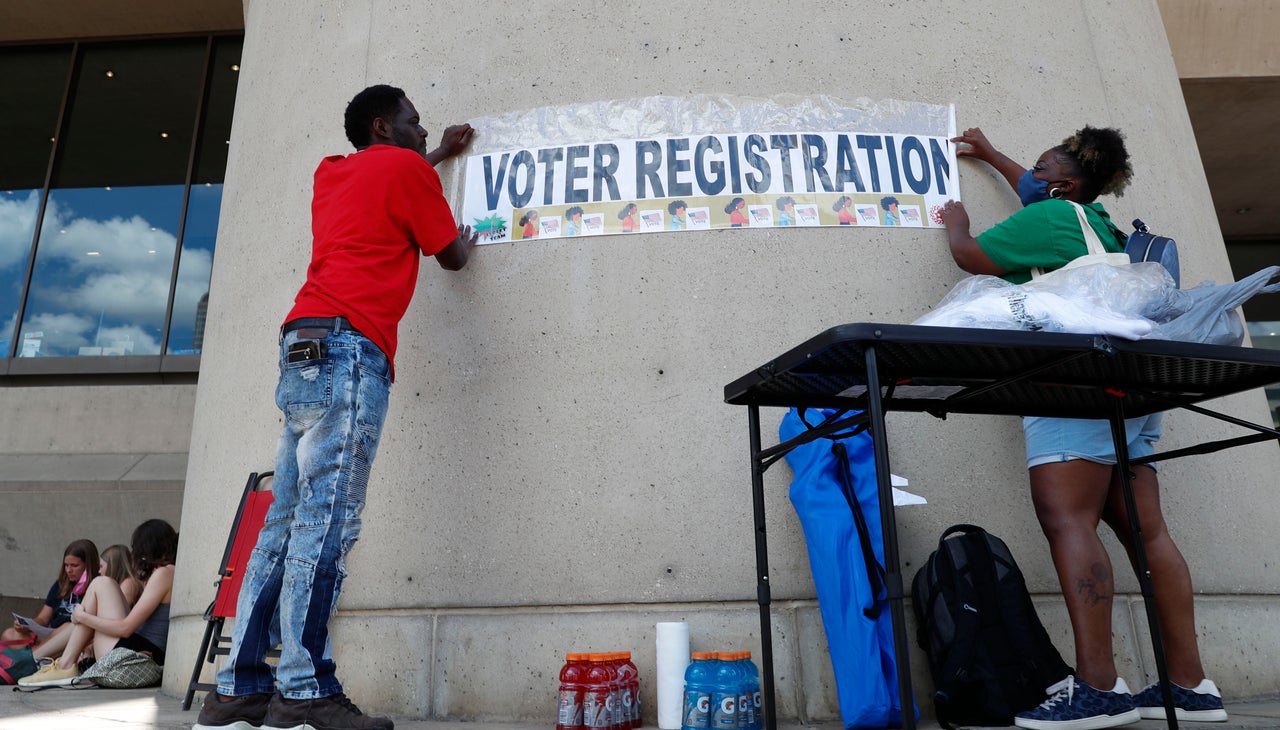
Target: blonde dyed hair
(1100, 159)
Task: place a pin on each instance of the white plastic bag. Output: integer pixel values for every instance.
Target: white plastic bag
(1133, 301)
(1091, 299)
(1208, 313)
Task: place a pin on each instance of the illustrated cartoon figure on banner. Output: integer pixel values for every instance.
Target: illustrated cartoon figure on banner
(844, 210)
(628, 217)
(736, 217)
(573, 224)
(677, 210)
(529, 224)
(786, 211)
(890, 205)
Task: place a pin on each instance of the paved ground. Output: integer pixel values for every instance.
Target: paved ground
(148, 709)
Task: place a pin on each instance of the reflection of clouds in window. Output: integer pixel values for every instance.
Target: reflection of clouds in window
(73, 333)
(6, 332)
(103, 271)
(128, 294)
(17, 224)
(121, 265)
(66, 332)
(193, 279)
(119, 242)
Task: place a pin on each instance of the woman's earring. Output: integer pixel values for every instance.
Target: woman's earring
(1055, 193)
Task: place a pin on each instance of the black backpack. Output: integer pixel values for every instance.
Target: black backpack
(989, 655)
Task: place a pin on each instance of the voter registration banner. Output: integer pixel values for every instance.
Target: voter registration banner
(748, 179)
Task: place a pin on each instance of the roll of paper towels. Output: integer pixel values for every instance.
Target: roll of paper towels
(673, 658)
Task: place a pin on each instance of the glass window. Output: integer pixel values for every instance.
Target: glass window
(32, 80)
(1261, 313)
(195, 264)
(104, 261)
(1267, 334)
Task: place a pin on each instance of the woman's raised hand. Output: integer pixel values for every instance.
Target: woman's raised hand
(979, 146)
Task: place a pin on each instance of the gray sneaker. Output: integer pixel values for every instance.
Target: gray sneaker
(245, 712)
(334, 712)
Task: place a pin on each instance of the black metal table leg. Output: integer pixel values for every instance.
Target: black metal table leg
(1121, 440)
(889, 533)
(762, 572)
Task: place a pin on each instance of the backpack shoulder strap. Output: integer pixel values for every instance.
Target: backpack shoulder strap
(963, 563)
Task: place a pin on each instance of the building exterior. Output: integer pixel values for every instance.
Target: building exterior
(558, 471)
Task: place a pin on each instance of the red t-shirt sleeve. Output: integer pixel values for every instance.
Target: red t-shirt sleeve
(417, 200)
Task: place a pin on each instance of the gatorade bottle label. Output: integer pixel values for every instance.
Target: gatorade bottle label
(697, 710)
(724, 711)
(628, 706)
(570, 714)
(595, 708)
(746, 711)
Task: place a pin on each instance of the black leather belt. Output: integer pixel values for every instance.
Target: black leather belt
(327, 324)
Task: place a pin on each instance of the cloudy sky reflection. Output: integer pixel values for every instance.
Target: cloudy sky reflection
(103, 268)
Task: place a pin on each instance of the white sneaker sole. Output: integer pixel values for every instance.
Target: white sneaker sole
(1157, 713)
(64, 682)
(1097, 722)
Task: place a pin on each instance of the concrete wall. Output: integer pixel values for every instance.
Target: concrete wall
(85, 461)
(1222, 38)
(558, 471)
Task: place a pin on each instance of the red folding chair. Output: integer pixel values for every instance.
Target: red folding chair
(250, 516)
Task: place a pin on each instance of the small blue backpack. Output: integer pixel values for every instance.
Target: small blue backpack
(1143, 245)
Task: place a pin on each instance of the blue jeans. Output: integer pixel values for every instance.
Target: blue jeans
(334, 408)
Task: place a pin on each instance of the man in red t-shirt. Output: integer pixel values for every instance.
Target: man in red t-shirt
(374, 213)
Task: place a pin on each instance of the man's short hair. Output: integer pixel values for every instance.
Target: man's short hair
(374, 102)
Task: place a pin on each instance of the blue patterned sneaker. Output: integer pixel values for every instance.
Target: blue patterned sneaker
(1074, 705)
(1202, 704)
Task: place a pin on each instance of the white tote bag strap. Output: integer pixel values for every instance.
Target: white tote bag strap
(1090, 236)
(1097, 254)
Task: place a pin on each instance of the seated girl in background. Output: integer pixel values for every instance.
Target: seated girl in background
(117, 564)
(79, 564)
(103, 619)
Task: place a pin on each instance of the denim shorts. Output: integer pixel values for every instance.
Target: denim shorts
(1051, 440)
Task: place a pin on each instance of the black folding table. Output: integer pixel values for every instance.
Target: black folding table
(867, 369)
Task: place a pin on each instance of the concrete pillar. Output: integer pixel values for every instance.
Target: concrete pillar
(558, 471)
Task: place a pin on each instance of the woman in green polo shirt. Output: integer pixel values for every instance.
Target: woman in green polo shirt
(1071, 462)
